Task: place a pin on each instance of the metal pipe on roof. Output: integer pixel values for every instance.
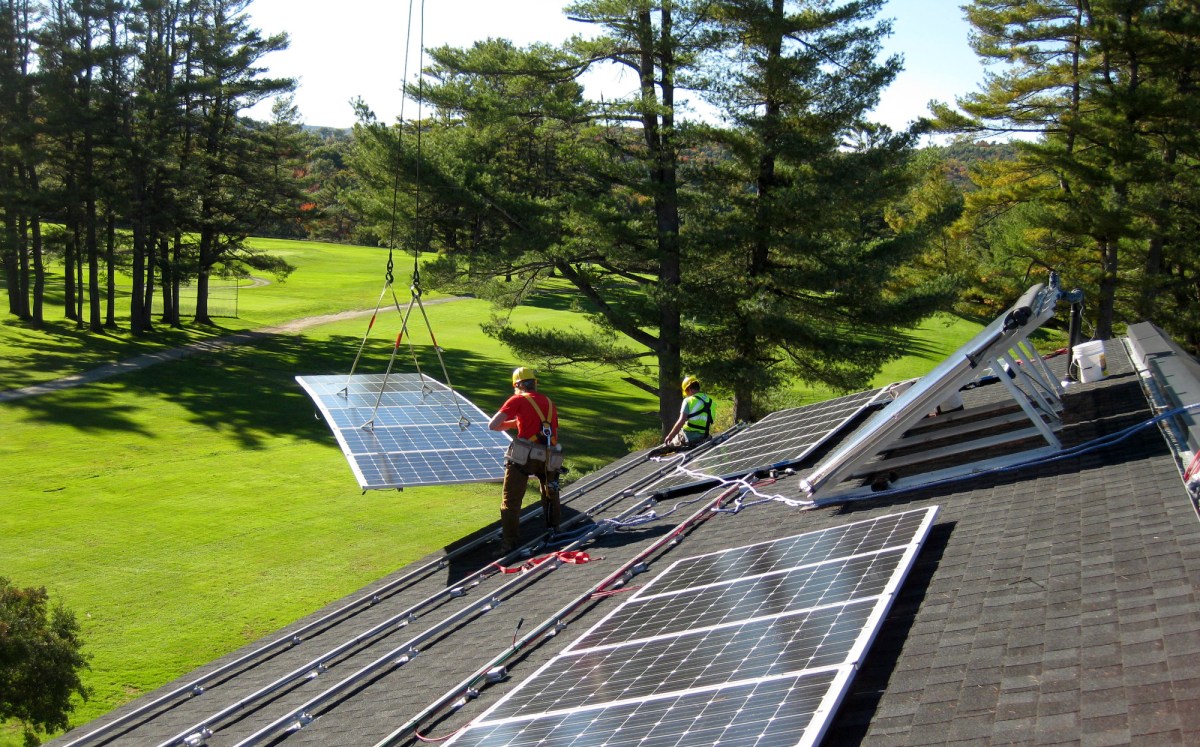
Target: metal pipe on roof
(318, 665)
(198, 686)
(401, 654)
(553, 622)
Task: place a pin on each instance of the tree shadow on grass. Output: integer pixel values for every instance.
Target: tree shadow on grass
(89, 410)
(250, 392)
(62, 348)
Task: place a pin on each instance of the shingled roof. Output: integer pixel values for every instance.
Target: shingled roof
(1052, 603)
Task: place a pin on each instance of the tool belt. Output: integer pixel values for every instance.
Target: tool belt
(522, 451)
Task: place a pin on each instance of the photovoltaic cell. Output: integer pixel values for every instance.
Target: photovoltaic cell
(779, 711)
(793, 552)
(785, 436)
(764, 647)
(750, 646)
(421, 432)
(835, 582)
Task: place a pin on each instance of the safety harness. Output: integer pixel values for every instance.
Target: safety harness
(547, 429)
(693, 417)
(545, 449)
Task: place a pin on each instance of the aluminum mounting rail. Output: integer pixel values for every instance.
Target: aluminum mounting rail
(304, 714)
(467, 689)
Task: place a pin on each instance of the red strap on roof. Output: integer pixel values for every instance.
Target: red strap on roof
(575, 557)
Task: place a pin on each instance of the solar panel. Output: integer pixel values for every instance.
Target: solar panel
(421, 433)
(991, 346)
(786, 436)
(750, 646)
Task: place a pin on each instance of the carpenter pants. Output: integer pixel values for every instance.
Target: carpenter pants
(516, 480)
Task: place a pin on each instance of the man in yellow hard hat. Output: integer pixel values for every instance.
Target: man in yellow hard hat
(535, 451)
(695, 416)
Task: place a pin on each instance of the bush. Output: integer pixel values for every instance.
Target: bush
(40, 661)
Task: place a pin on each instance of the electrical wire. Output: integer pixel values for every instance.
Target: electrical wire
(1086, 447)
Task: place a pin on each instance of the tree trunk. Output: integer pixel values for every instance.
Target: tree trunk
(1108, 289)
(69, 255)
(137, 302)
(95, 320)
(169, 286)
(110, 263)
(8, 253)
(79, 264)
(37, 313)
(659, 135)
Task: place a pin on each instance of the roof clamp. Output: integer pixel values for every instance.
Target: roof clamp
(197, 690)
(297, 640)
(407, 656)
(198, 738)
(457, 592)
(317, 671)
(303, 719)
(471, 693)
(374, 599)
(639, 567)
(410, 617)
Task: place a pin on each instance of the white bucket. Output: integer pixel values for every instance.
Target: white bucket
(1089, 356)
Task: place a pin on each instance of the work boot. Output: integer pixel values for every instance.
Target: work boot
(551, 513)
(510, 528)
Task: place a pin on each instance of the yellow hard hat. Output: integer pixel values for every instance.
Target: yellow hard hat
(523, 373)
(688, 381)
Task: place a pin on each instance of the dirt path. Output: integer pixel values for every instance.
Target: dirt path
(204, 346)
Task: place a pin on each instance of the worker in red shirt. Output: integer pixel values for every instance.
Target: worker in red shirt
(535, 451)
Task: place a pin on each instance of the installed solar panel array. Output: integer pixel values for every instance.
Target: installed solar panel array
(783, 437)
(751, 646)
(421, 433)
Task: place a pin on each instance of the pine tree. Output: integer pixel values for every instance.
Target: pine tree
(231, 190)
(796, 261)
(1109, 88)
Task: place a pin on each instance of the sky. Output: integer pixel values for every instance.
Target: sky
(356, 48)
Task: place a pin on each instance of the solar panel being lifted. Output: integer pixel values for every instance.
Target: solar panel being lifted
(783, 437)
(751, 646)
(411, 430)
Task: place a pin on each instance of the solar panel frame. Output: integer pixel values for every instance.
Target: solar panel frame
(782, 437)
(1035, 307)
(418, 431)
(590, 692)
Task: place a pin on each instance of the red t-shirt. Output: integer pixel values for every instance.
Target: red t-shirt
(529, 425)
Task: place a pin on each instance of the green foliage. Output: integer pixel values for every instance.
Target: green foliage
(129, 115)
(1104, 187)
(792, 269)
(519, 182)
(41, 659)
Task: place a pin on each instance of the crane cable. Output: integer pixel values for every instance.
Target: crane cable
(389, 278)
